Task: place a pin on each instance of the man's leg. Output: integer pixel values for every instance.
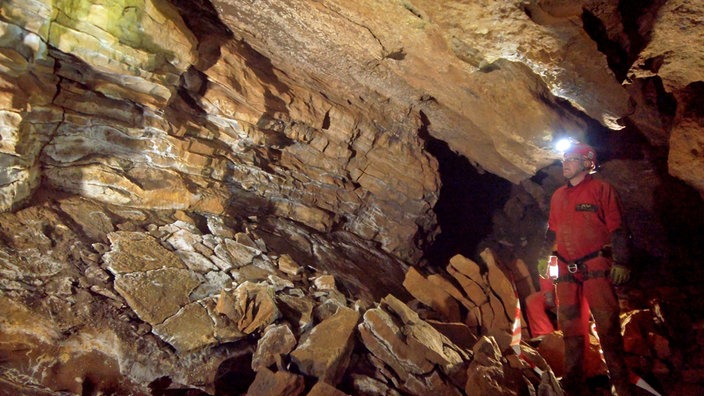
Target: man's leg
(573, 380)
(605, 309)
(538, 319)
(571, 322)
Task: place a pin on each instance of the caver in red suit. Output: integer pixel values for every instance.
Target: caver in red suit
(585, 216)
(537, 305)
(540, 302)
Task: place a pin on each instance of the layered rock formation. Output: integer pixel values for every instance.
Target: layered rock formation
(317, 118)
(266, 171)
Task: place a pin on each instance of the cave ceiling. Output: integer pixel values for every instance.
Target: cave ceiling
(320, 111)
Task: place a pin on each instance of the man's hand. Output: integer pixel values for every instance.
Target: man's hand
(619, 274)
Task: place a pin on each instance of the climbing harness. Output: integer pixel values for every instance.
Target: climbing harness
(579, 266)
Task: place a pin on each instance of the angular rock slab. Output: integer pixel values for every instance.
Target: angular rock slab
(251, 306)
(157, 285)
(155, 295)
(280, 383)
(485, 373)
(437, 298)
(420, 356)
(277, 341)
(325, 353)
(491, 292)
(138, 252)
(153, 280)
(197, 325)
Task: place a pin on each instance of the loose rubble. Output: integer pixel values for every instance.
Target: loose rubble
(159, 304)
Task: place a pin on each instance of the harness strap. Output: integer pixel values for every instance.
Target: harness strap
(586, 275)
(582, 259)
(579, 265)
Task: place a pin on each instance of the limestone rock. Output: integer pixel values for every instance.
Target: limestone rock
(288, 265)
(194, 326)
(522, 278)
(217, 227)
(212, 283)
(249, 272)
(325, 282)
(410, 347)
(325, 352)
(276, 342)
(485, 373)
(283, 383)
(204, 171)
(502, 299)
(469, 276)
(196, 262)
(138, 252)
(92, 219)
(297, 310)
(396, 350)
(237, 254)
(435, 298)
(325, 389)
(678, 62)
(161, 290)
(459, 333)
(370, 386)
(266, 126)
(157, 294)
(686, 148)
(675, 56)
(489, 296)
(440, 282)
(251, 306)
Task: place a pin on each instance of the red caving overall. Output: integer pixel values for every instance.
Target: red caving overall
(583, 218)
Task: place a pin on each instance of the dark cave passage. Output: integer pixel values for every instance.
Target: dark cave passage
(466, 205)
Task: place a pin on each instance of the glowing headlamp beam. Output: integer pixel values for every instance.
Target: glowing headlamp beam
(563, 145)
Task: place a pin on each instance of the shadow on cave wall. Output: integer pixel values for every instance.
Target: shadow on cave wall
(622, 49)
(677, 207)
(468, 199)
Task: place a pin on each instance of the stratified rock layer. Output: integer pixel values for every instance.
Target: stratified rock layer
(324, 119)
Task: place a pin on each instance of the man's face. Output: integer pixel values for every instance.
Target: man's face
(573, 165)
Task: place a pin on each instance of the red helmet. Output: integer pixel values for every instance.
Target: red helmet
(586, 151)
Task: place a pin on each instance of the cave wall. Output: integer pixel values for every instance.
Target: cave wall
(312, 111)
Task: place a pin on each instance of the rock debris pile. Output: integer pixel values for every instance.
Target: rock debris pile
(101, 299)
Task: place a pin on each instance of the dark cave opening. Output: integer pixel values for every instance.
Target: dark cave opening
(468, 199)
